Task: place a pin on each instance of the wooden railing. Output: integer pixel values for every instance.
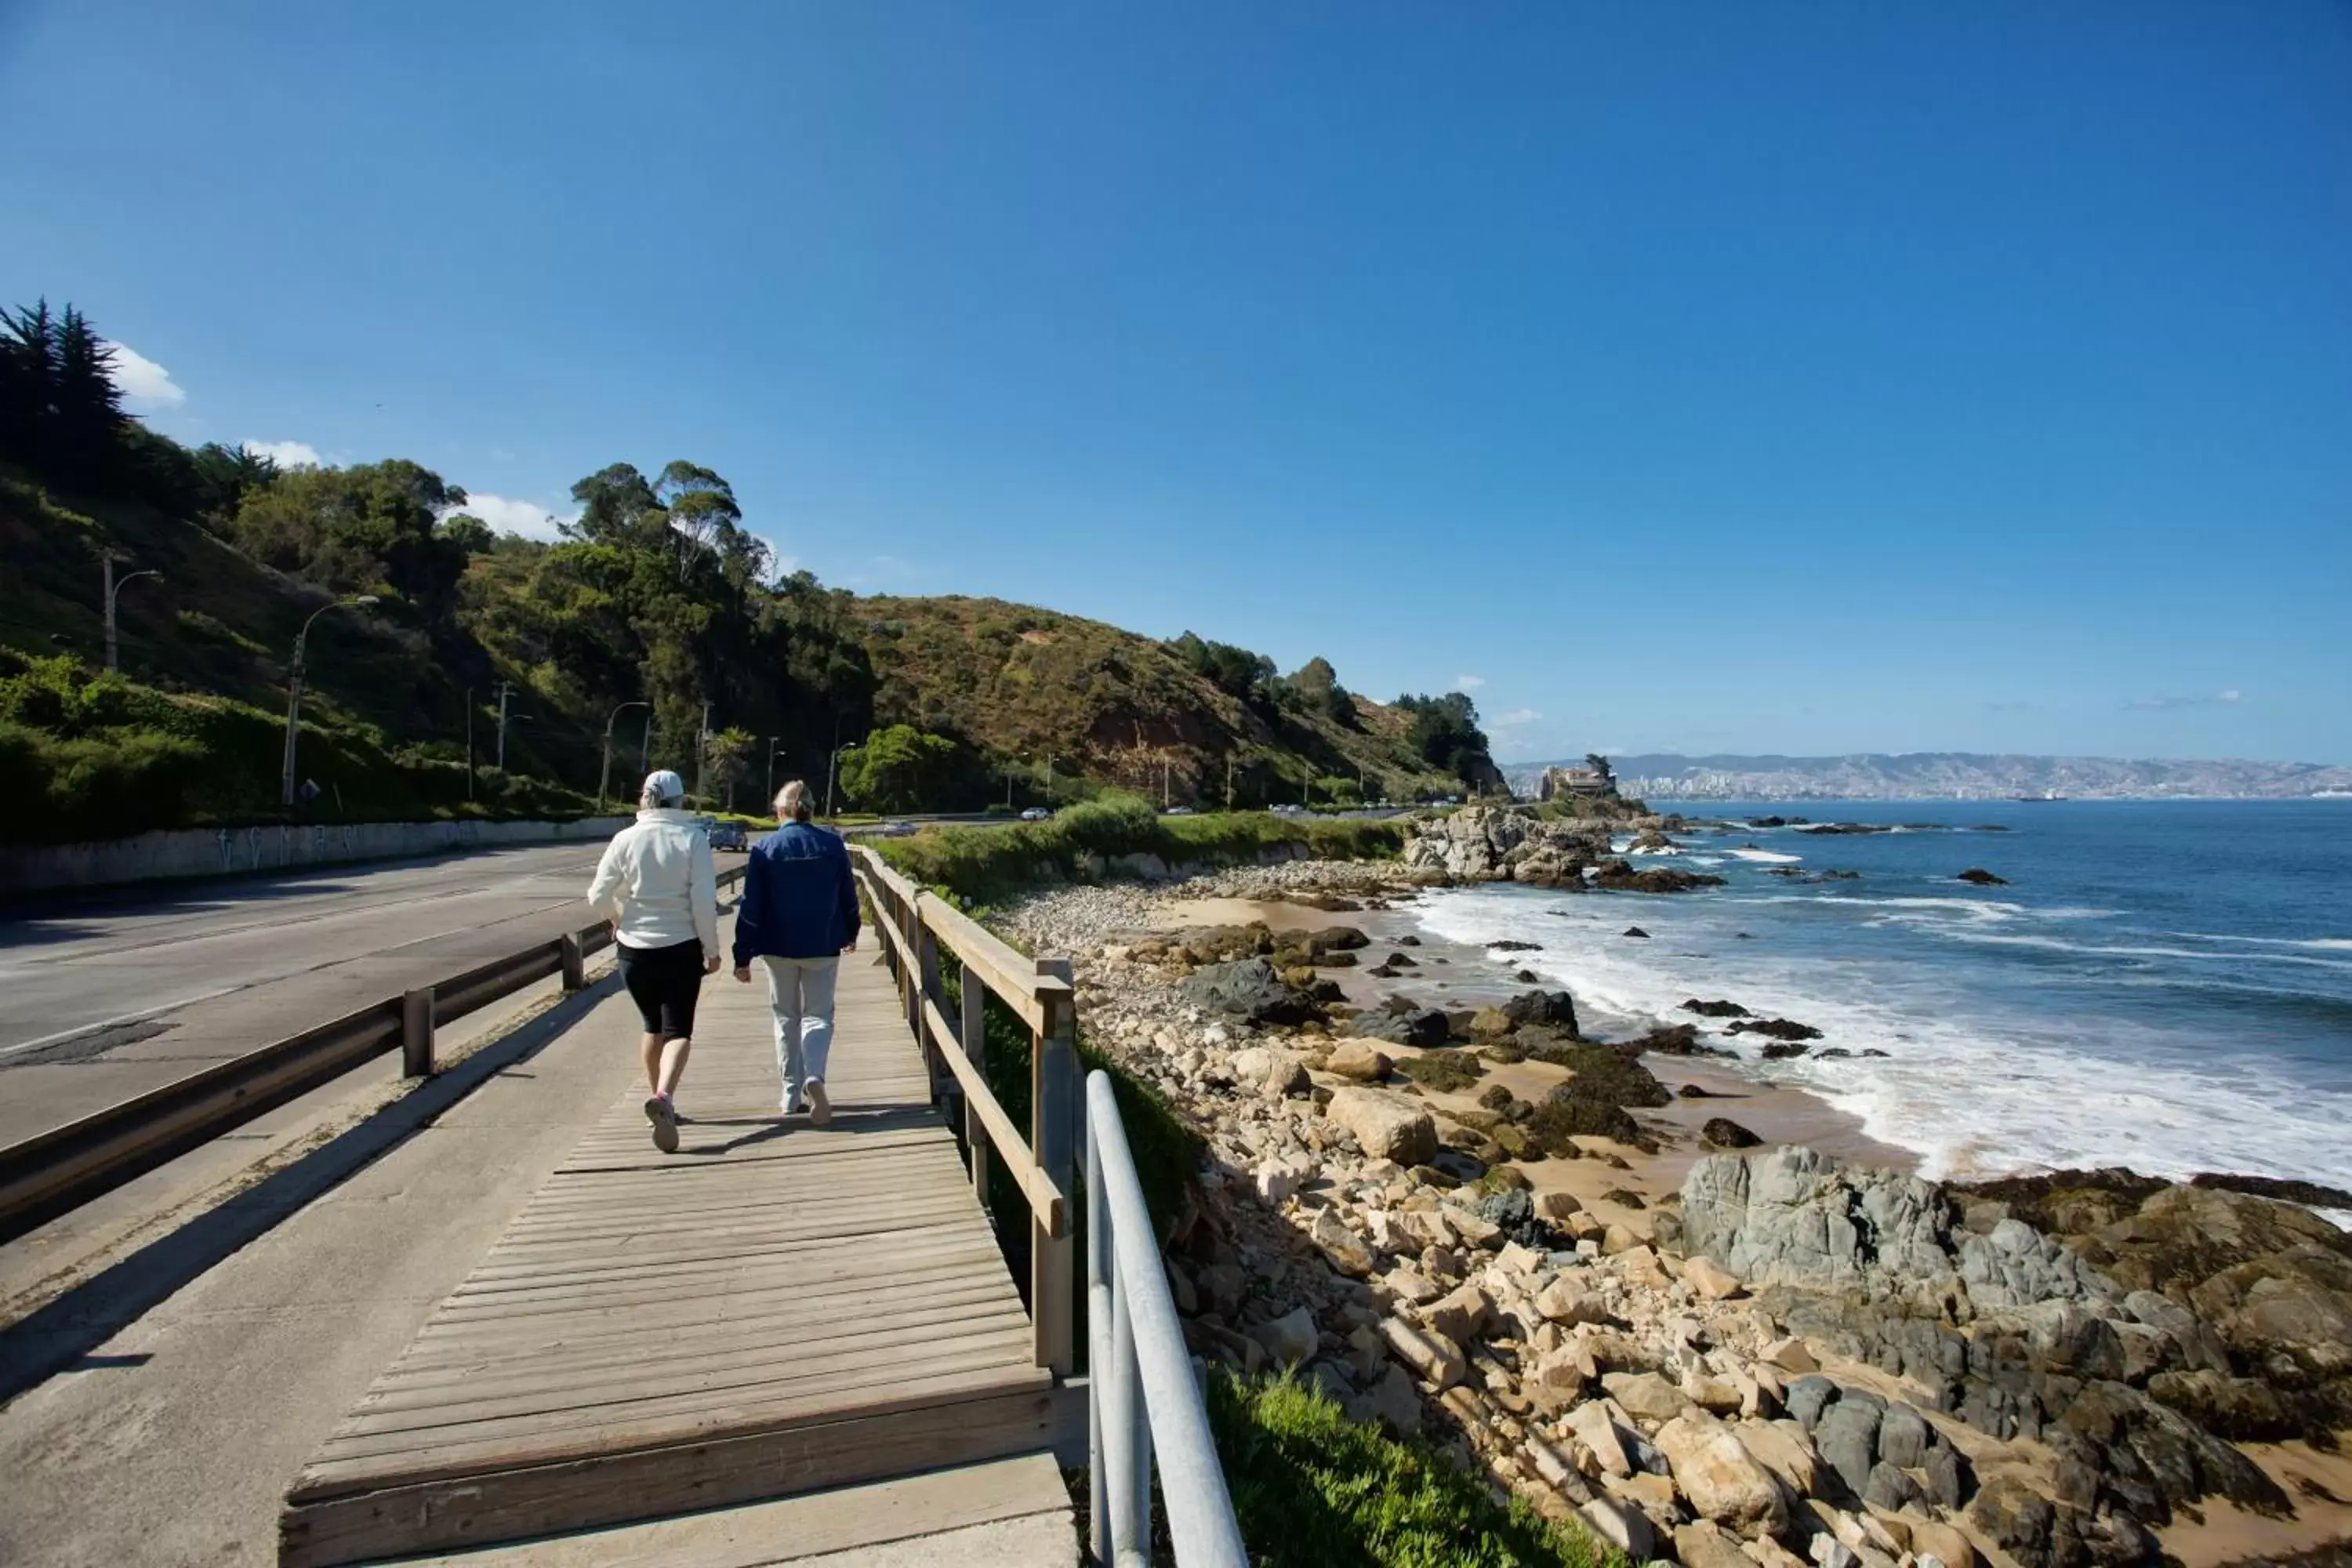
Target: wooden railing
(916, 927)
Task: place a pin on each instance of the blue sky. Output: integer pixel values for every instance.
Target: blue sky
(1806, 377)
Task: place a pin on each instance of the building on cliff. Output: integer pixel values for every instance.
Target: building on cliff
(1557, 782)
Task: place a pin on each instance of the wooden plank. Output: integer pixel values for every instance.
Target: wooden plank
(483, 1449)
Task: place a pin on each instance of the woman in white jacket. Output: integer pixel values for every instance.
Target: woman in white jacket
(656, 886)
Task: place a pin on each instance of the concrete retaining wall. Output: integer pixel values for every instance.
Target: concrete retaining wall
(220, 851)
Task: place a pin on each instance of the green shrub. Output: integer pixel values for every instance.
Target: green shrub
(99, 756)
(1312, 1488)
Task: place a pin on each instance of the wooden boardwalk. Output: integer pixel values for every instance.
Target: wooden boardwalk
(773, 1310)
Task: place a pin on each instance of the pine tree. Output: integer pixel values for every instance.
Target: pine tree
(28, 375)
(87, 405)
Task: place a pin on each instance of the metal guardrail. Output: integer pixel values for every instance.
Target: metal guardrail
(53, 1172)
(1142, 1401)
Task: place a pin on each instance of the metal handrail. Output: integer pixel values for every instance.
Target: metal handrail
(1142, 1401)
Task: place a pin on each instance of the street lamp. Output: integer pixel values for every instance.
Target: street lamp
(775, 751)
(605, 772)
(294, 691)
(113, 592)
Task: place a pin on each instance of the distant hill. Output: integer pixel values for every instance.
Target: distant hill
(1918, 775)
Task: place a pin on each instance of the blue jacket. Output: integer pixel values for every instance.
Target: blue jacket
(798, 900)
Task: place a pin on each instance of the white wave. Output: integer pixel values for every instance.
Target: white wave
(2318, 943)
(1762, 855)
(1669, 850)
(1971, 1088)
(2057, 944)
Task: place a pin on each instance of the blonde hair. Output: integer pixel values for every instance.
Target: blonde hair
(792, 801)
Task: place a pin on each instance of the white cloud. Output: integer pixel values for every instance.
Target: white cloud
(287, 454)
(148, 385)
(1517, 716)
(527, 518)
(1468, 683)
(2224, 699)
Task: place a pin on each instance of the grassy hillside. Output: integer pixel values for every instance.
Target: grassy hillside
(1019, 682)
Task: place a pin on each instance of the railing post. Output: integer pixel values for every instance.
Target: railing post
(975, 1050)
(416, 1033)
(575, 962)
(927, 988)
(1052, 1135)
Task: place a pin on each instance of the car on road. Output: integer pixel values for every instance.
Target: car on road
(723, 834)
(896, 830)
(1176, 811)
(1037, 814)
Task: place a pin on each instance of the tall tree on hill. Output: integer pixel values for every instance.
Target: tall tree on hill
(28, 379)
(61, 412)
(1445, 733)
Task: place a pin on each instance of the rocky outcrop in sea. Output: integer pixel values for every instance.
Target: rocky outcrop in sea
(1521, 843)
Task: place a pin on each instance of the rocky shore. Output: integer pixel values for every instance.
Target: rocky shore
(1453, 1220)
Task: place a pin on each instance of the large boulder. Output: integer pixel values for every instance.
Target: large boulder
(1356, 1060)
(1247, 988)
(1386, 1126)
(1721, 1478)
(1549, 1009)
(1421, 1026)
(1790, 1215)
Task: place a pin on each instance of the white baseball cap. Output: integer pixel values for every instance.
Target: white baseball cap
(665, 786)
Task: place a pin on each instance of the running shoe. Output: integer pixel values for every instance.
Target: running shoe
(664, 1121)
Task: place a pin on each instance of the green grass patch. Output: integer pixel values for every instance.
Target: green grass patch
(1312, 1488)
(986, 863)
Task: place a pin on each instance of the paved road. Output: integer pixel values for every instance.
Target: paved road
(108, 997)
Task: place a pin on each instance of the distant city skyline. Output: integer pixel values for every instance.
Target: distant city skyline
(1720, 378)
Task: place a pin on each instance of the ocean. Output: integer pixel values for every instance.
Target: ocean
(2163, 984)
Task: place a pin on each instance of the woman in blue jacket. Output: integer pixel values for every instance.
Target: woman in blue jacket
(798, 916)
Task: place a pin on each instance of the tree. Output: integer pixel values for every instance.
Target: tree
(902, 769)
(1445, 733)
(372, 527)
(1600, 766)
(726, 760)
(60, 411)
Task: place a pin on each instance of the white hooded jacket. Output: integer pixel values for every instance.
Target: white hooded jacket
(656, 883)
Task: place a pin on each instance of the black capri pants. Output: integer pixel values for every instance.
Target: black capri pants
(664, 983)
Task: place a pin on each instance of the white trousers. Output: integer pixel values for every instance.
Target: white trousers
(800, 994)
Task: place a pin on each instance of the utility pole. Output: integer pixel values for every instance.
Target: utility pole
(605, 771)
(1229, 781)
(107, 558)
(469, 742)
(1049, 778)
(702, 753)
(506, 689)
